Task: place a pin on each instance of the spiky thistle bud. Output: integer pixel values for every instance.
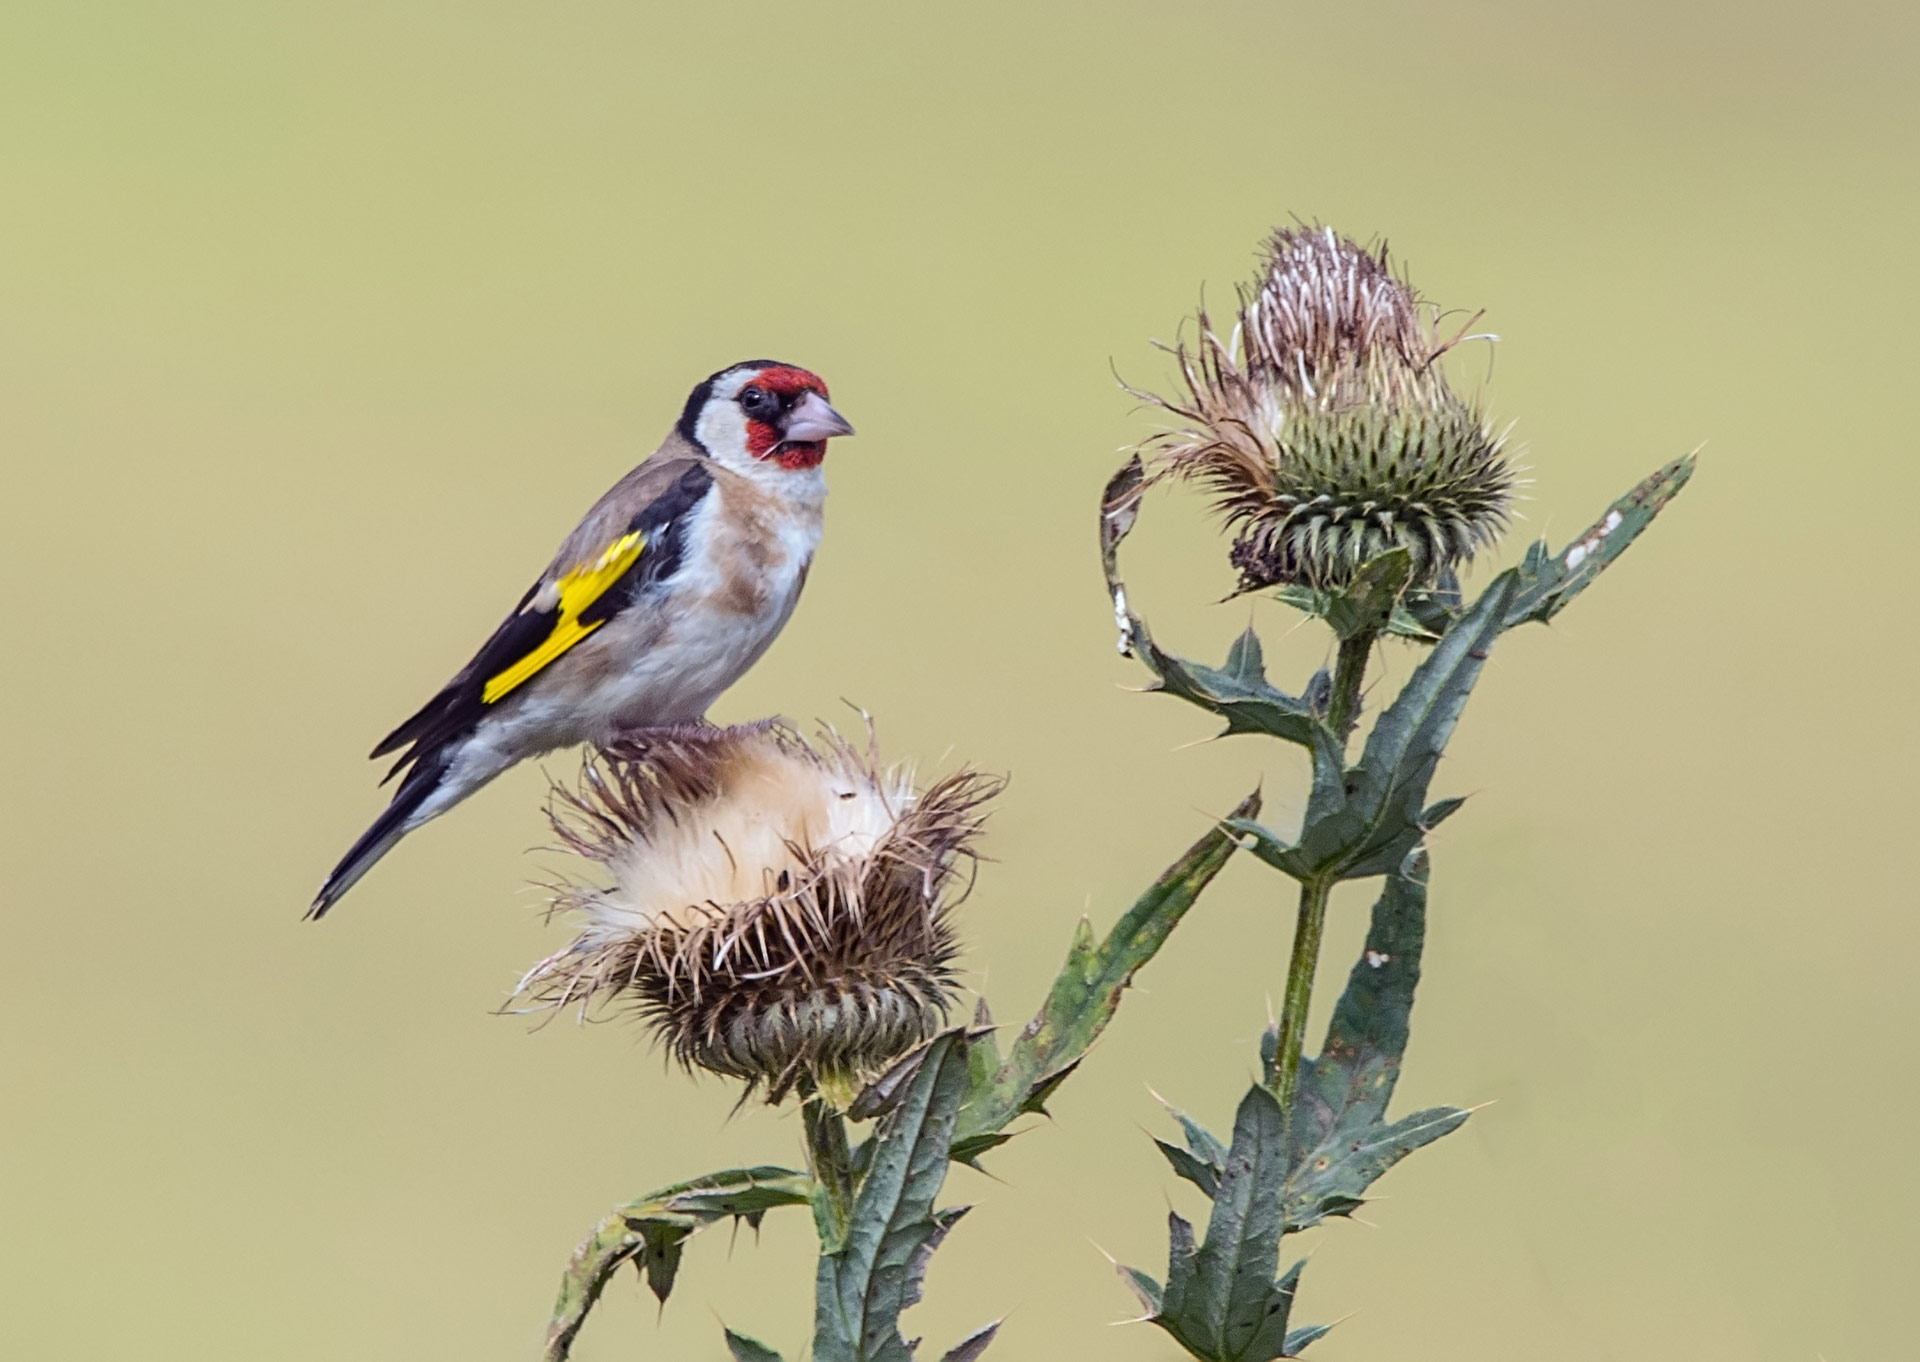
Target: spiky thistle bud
(778, 909)
(1324, 427)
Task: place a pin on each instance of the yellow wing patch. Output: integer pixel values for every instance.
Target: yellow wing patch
(578, 590)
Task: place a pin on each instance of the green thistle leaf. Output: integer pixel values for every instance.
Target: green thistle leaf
(1364, 821)
(1201, 1174)
(1549, 581)
(1204, 1158)
(651, 1233)
(1308, 1333)
(864, 1286)
(1339, 1145)
(973, 1345)
(1367, 604)
(1221, 1301)
(746, 1349)
(1086, 994)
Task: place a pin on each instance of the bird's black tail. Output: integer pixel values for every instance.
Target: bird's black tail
(392, 824)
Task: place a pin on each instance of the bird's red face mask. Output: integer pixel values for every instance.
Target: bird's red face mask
(789, 420)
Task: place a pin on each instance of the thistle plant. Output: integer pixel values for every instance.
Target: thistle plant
(1357, 485)
(1325, 429)
(783, 913)
(778, 913)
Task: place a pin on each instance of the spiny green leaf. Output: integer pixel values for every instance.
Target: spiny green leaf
(863, 1287)
(1248, 705)
(1440, 811)
(1270, 1339)
(1086, 993)
(969, 1348)
(651, 1232)
(660, 1261)
(1333, 1178)
(1199, 1172)
(1143, 1286)
(746, 1349)
(1204, 1157)
(1238, 692)
(1182, 1249)
(983, 1047)
(1233, 1271)
(1200, 1140)
(1246, 663)
(969, 1149)
(1432, 610)
(1367, 604)
(1305, 1334)
(1338, 1142)
(1364, 821)
(943, 1223)
(1549, 580)
(826, 1219)
(1221, 1301)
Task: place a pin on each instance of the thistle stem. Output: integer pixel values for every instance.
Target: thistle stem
(1293, 1010)
(831, 1163)
(1350, 671)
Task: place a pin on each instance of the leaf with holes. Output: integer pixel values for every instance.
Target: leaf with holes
(1548, 581)
(1339, 1145)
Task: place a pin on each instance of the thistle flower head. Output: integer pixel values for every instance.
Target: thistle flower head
(1324, 427)
(778, 910)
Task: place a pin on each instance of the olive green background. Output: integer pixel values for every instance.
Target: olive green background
(319, 324)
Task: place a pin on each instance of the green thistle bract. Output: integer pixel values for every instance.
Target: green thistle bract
(1325, 429)
(779, 910)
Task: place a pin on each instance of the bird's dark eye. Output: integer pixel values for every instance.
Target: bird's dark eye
(759, 404)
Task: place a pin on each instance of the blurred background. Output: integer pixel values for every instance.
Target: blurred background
(319, 325)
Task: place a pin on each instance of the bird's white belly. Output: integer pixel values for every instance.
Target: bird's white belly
(662, 660)
(675, 677)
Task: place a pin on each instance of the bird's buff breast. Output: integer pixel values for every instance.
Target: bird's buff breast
(668, 659)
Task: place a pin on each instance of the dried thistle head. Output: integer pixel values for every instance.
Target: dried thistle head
(778, 909)
(1324, 427)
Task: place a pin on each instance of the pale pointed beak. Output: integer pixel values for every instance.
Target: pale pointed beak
(812, 419)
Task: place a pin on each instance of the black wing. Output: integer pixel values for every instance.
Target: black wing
(530, 639)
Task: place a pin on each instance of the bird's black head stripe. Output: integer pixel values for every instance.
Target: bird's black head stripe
(690, 414)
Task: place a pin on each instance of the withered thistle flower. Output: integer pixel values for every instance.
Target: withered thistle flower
(1324, 427)
(778, 909)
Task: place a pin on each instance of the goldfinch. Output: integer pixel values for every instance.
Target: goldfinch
(672, 586)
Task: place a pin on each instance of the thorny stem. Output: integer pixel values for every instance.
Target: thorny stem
(1293, 1010)
(1349, 672)
(831, 1163)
